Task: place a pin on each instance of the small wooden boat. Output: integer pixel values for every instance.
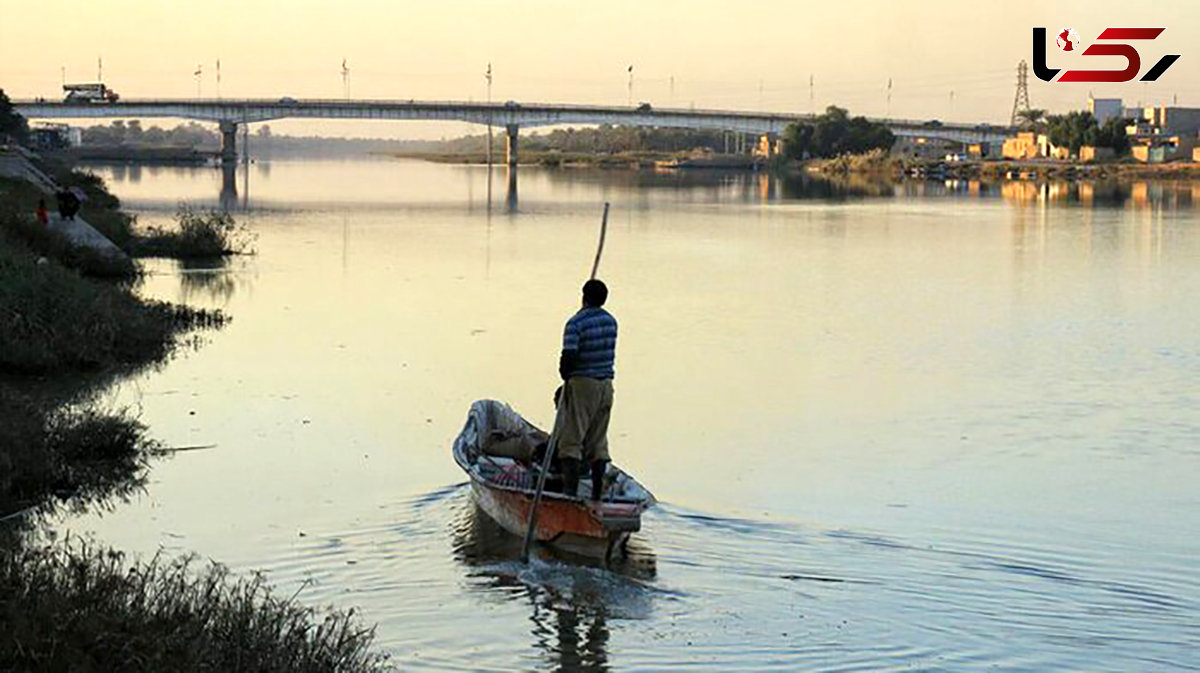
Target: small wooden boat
(504, 485)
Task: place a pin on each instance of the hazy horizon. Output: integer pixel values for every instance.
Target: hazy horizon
(944, 63)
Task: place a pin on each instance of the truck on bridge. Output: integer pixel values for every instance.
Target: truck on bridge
(89, 93)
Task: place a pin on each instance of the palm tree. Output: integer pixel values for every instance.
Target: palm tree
(1031, 118)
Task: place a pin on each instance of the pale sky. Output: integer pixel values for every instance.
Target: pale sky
(752, 54)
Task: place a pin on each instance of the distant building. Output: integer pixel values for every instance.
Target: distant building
(924, 148)
(1164, 133)
(48, 136)
(1089, 153)
(979, 150)
(1104, 109)
(1050, 150)
(1162, 149)
(1023, 146)
(1175, 120)
(768, 146)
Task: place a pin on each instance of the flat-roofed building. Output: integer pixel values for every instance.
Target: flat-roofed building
(1023, 146)
(1104, 109)
(1090, 153)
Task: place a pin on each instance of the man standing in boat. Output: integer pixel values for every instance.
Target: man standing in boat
(586, 366)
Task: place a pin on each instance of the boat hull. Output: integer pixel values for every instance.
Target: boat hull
(568, 525)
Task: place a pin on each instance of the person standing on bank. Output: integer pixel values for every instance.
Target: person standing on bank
(43, 215)
(586, 366)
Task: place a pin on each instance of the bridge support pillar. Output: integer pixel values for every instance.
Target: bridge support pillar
(228, 142)
(511, 145)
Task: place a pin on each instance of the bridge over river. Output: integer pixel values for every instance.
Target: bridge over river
(229, 114)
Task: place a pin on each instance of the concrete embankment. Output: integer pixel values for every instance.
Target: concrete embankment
(81, 234)
(16, 163)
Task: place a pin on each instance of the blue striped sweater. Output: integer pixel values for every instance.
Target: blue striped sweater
(592, 333)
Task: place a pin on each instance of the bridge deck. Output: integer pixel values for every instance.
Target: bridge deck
(509, 113)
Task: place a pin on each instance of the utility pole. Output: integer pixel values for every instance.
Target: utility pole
(631, 86)
(345, 80)
(199, 71)
(1021, 101)
(218, 79)
(812, 98)
(671, 100)
(100, 69)
(889, 98)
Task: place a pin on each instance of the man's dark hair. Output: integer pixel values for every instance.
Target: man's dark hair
(595, 292)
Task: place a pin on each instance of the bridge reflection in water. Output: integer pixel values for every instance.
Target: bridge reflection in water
(723, 186)
(231, 199)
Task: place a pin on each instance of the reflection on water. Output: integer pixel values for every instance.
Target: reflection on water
(207, 281)
(229, 193)
(569, 597)
(699, 185)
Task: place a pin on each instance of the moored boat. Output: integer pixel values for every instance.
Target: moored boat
(496, 449)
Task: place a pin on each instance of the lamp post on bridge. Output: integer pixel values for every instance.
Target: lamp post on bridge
(488, 76)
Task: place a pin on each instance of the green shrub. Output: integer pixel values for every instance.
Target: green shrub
(198, 233)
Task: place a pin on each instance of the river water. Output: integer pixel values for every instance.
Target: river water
(933, 427)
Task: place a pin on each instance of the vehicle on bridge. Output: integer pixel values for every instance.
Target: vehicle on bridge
(644, 107)
(92, 92)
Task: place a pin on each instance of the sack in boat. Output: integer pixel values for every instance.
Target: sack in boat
(516, 445)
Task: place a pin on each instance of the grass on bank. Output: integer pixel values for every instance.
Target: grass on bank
(70, 454)
(54, 245)
(54, 320)
(79, 608)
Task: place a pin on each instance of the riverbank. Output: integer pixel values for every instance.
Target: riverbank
(632, 160)
(138, 154)
(536, 158)
(68, 334)
(898, 168)
(873, 164)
